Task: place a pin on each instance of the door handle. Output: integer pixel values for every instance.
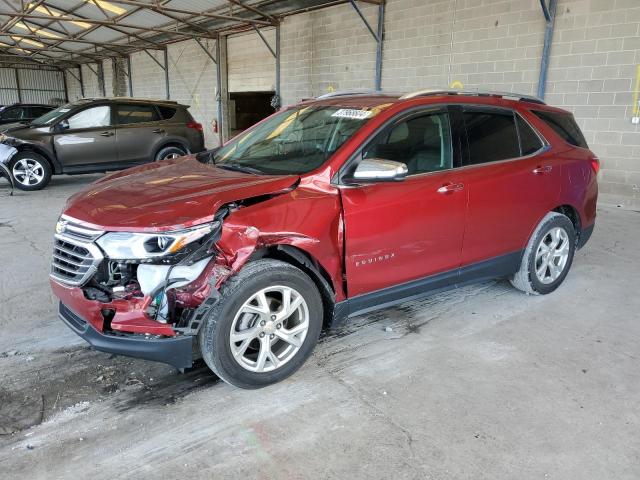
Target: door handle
(106, 134)
(451, 187)
(542, 170)
(158, 130)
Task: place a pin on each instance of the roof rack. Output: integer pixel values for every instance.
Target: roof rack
(478, 93)
(345, 93)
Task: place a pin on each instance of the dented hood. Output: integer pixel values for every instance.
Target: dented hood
(167, 195)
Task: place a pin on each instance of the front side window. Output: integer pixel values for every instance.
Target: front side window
(128, 114)
(422, 143)
(492, 136)
(294, 141)
(91, 117)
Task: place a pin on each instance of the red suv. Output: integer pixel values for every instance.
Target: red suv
(325, 210)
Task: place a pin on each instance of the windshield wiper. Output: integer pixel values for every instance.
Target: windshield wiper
(236, 167)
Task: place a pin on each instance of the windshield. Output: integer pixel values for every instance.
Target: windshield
(50, 117)
(294, 141)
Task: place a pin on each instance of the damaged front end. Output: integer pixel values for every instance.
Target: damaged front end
(138, 294)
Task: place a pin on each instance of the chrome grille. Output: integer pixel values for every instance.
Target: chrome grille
(72, 228)
(75, 257)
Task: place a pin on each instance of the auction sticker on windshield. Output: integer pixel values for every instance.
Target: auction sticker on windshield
(351, 113)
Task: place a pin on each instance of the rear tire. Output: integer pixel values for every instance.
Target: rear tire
(30, 171)
(274, 312)
(169, 153)
(548, 256)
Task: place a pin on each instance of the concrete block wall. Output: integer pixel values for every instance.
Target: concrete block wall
(192, 81)
(326, 50)
(73, 85)
(90, 81)
(594, 63)
(251, 66)
(147, 76)
(107, 68)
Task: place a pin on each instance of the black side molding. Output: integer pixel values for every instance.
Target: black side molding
(497, 267)
(175, 351)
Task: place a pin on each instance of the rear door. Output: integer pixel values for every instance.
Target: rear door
(396, 232)
(513, 182)
(89, 139)
(139, 132)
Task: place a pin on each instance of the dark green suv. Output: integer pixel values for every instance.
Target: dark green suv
(97, 135)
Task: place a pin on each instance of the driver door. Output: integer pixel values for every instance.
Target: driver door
(87, 137)
(400, 231)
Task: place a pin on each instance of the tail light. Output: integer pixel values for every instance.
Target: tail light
(595, 165)
(195, 125)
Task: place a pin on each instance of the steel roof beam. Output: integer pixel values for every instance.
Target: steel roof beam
(273, 20)
(207, 14)
(106, 23)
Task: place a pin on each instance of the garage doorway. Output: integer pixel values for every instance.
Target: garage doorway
(247, 109)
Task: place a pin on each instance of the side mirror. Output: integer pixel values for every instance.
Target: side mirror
(372, 170)
(207, 155)
(63, 125)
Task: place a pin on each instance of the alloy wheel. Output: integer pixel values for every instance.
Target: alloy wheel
(269, 329)
(171, 156)
(28, 172)
(552, 255)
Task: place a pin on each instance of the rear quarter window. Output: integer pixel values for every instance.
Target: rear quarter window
(564, 125)
(166, 113)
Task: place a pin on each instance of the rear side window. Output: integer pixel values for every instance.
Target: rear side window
(492, 136)
(128, 114)
(38, 111)
(529, 140)
(564, 125)
(166, 112)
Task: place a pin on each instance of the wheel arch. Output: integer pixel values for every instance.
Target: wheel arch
(305, 262)
(56, 167)
(172, 143)
(572, 213)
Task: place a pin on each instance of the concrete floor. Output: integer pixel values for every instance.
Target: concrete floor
(482, 382)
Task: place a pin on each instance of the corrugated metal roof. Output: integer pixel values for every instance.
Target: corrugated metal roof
(139, 22)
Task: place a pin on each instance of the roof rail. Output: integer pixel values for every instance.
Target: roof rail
(345, 93)
(478, 93)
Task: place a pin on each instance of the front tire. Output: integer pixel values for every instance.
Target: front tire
(548, 256)
(265, 325)
(30, 171)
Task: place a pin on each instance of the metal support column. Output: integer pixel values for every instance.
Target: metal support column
(219, 90)
(166, 71)
(129, 75)
(277, 102)
(100, 74)
(379, 46)
(18, 85)
(549, 12)
(377, 36)
(81, 81)
(66, 87)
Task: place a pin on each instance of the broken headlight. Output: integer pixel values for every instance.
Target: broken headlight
(161, 247)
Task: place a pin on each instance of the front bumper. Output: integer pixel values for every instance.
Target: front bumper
(175, 351)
